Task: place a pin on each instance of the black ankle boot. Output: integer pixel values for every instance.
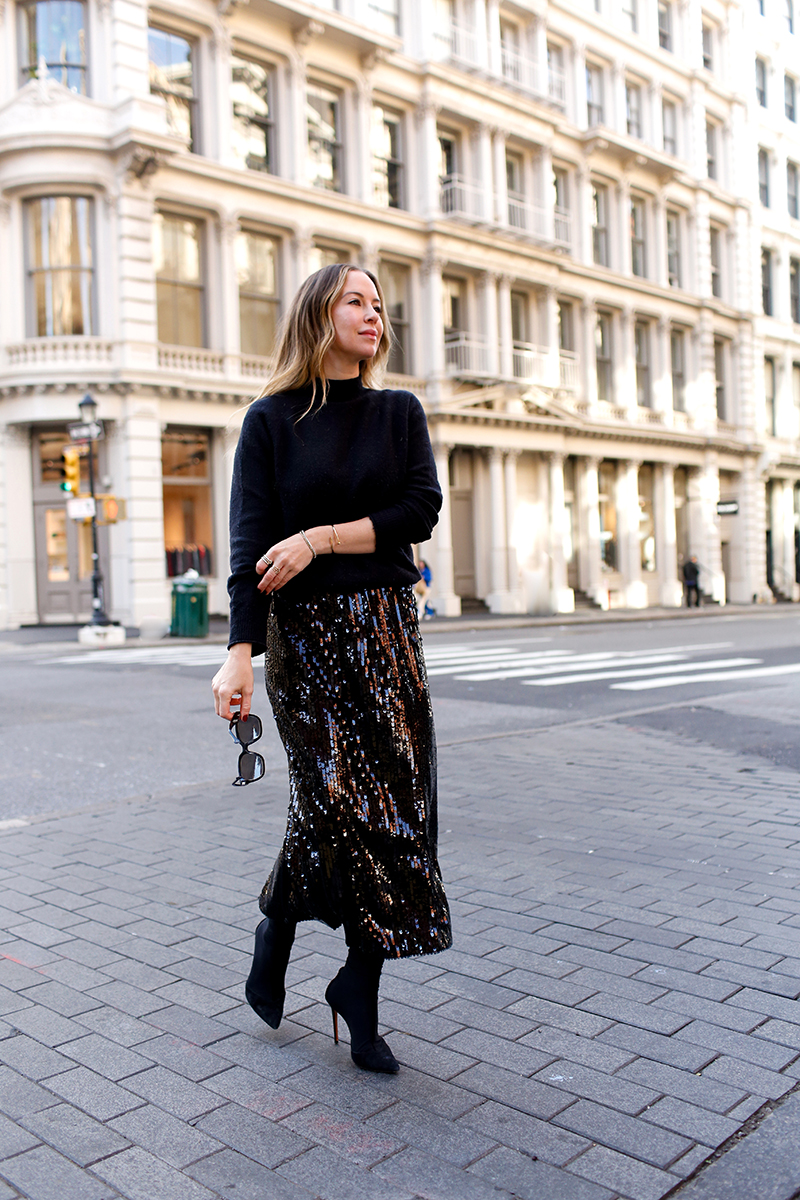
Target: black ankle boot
(264, 990)
(354, 994)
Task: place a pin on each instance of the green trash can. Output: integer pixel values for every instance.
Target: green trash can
(189, 606)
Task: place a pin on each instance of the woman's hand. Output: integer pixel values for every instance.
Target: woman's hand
(233, 682)
(288, 558)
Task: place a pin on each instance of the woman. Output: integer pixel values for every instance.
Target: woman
(333, 480)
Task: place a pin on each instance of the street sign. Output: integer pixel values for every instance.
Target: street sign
(727, 508)
(80, 508)
(86, 431)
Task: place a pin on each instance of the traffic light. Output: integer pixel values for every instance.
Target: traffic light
(71, 470)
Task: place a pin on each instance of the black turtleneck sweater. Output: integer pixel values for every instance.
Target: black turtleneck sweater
(362, 454)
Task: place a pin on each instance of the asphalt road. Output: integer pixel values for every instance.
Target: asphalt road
(80, 727)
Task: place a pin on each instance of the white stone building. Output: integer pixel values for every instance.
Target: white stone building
(586, 220)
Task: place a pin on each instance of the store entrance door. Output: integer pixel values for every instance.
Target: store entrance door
(63, 546)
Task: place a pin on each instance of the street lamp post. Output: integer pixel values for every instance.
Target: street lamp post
(88, 411)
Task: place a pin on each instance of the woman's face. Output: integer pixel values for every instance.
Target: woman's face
(357, 321)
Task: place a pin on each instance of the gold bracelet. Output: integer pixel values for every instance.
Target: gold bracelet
(308, 543)
(338, 540)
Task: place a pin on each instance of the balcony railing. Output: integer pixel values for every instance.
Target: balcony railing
(568, 370)
(556, 86)
(466, 356)
(61, 351)
(529, 362)
(519, 70)
(527, 218)
(458, 198)
(563, 226)
(458, 43)
(190, 360)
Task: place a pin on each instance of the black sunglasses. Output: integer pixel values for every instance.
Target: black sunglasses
(245, 731)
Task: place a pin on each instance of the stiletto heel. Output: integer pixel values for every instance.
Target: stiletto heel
(264, 990)
(353, 993)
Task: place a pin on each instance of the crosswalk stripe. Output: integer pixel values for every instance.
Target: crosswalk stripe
(639, 685)
(588, 677)
(588, 664)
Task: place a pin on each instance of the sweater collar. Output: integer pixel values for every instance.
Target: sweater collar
(344, 389)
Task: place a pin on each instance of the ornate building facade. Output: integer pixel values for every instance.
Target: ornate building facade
(585, 217)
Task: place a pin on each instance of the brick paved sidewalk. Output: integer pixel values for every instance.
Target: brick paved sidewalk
(620, 1000)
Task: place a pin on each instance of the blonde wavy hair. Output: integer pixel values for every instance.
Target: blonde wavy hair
(307, 334)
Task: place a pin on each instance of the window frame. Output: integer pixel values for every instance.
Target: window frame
(763, 177)
(790, 97)
(267, 124)
(674, 264)
(720, 379)
(708, 46)
(677, 340)
(669, 140)
(715, 236)
(600, 247)
(334, 146)
(630, 9)
(190, 102)
(201, 225)
(397, 116)
(261, 298)
(638, 206)
(641, 342)
(401, 326)
(712, 151)
(766, 281)
(665, 25)
(761, 81)
(633, 113)
(90, 314)
(28, 70)
(595, 109)
(604, 363)
(794, 290)
(793, 189)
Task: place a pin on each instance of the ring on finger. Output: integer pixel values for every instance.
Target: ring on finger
(266, 560)
(276, 568)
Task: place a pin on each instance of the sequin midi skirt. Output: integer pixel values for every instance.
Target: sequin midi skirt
(347, 682)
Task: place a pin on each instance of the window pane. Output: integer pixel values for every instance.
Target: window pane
(176, 248)
(171, 76)
(394, 281)
(55, 30)
(188, 520)
(184, 455)
(322, 118)
(60, 271)
(386, 158)
(258, 300)
(252, 115)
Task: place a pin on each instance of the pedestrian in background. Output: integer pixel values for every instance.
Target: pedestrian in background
(333, 480)
(423, 590)
(691, 581)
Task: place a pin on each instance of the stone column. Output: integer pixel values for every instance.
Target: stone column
(580, 98)
(582, 229)
(302, 245)
(562, 597)
(361, 160)
(516, 601)
(434, 361)
(444, 600)
(481, 33)
(480, 191)
(752, 514)
(589, 546)
(228, 299)
(628, 524)
(658, 240)
(624, 225)
(493, 44)
(662, 370)
(504, 327)
(625, 363)
(546, 190)
(220, 44)
(428, 204)
(712, 580)
(296, 78)
(487, 298)
(18, 604)
(789, 585)
(618, 117)
(148, 590)
(138, 316)
(666, 537)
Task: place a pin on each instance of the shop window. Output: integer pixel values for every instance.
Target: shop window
(395, 284)
(259, 303)
(179, 280)
(188, 525)
(172, 77)
(253, 134)
(387, 157)
(324, 160)
(60, 273)
(54, 30)
(607, 484)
